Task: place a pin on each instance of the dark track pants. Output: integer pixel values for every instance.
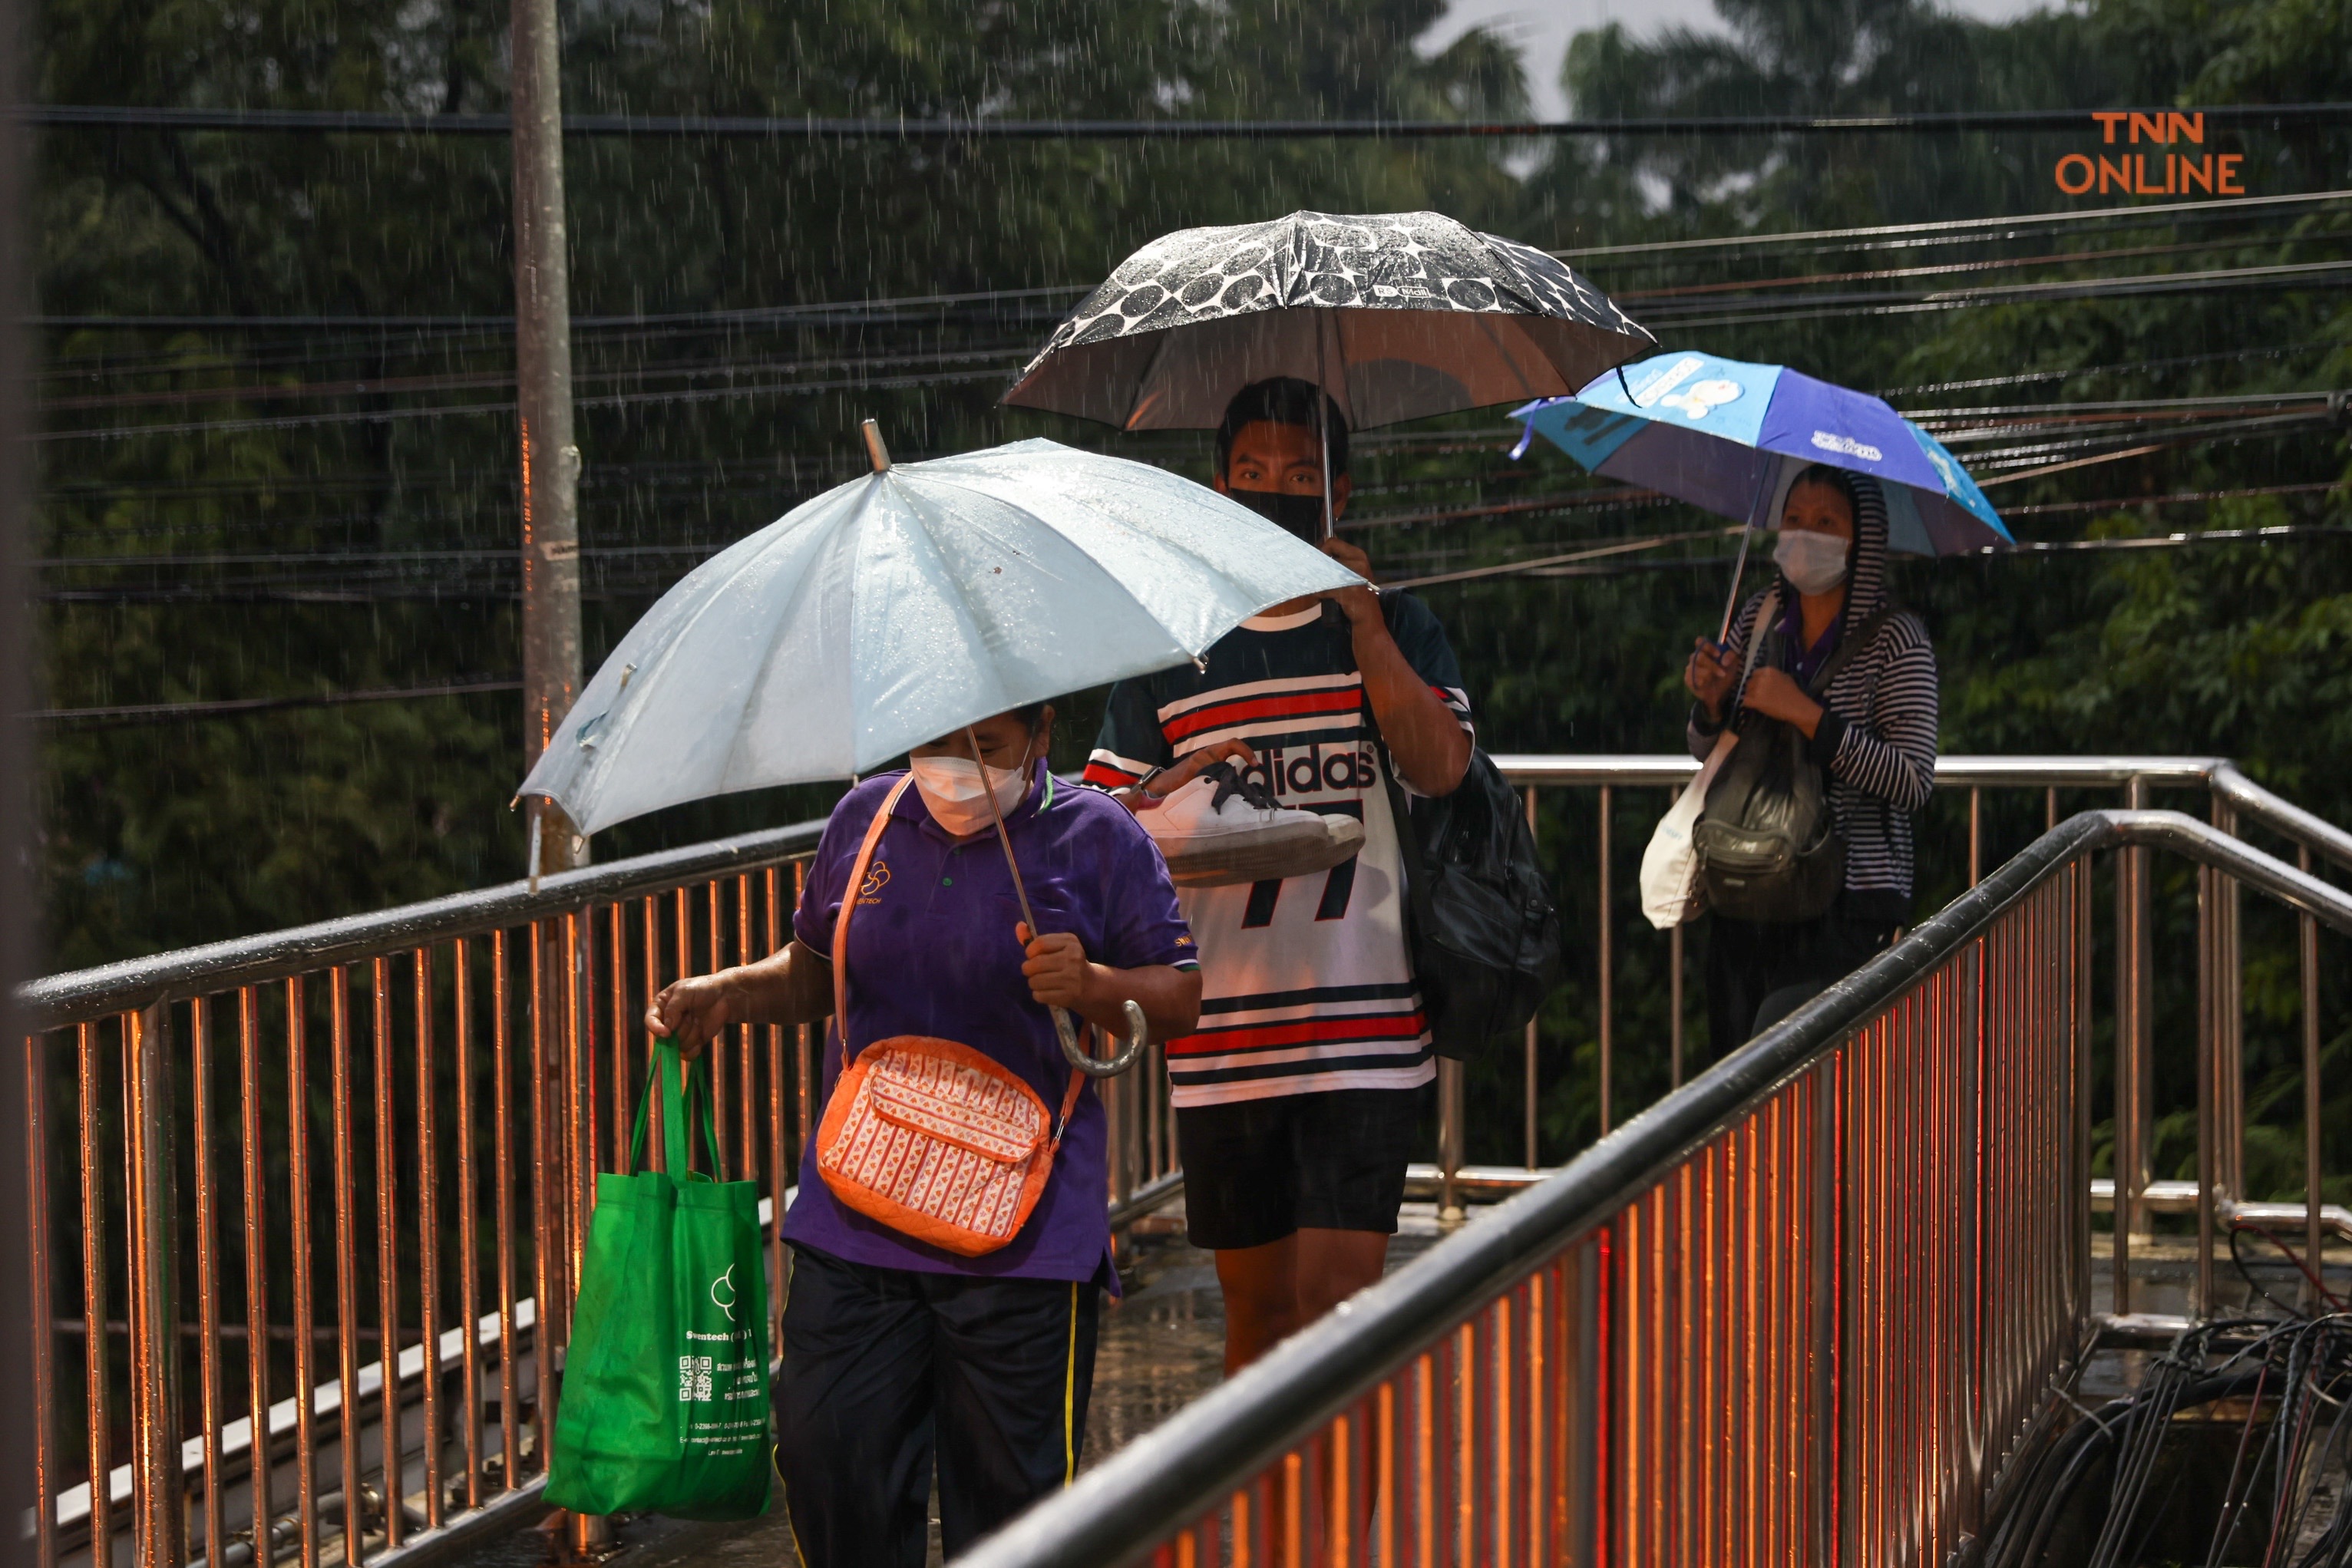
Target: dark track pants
(1758, 974)
(884, 1367)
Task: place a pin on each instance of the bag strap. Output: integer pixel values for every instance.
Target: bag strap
(679, 1102)
(1069, 1105)
(1767, 612)
(849, 903)
(1863, 635)
(840, 941)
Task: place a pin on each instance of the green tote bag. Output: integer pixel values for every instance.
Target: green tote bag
(665, 1392)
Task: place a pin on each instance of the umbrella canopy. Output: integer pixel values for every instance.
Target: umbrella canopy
(1731, 436)
(901, 606)
(1398, 316)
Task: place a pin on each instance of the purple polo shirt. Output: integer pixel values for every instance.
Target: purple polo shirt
(933, 953)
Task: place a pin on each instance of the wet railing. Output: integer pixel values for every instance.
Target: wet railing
(307, 1207)
(323, 1180)
(341, 1168)
(2233, 803)
(1806, 1308)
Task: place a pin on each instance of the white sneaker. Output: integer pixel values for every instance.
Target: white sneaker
(1221, 829)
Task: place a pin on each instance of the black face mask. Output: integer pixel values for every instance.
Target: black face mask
(1300, 515)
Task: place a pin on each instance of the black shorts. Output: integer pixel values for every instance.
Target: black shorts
(1258, 1170)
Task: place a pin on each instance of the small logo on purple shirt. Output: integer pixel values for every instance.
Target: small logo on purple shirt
(877, 877)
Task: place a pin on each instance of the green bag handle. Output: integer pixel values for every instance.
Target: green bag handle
(679, 1100)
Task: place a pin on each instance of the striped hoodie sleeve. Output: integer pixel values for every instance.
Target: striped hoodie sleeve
(1892, 755)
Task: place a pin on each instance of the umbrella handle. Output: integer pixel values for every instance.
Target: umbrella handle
(1076, 1054)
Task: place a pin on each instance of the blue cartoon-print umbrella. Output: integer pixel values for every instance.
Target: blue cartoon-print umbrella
(1730, 436)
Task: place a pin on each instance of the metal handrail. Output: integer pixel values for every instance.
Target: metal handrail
(58, 1000)
(2279, 816)
(2023, 771)
(1166, 1479)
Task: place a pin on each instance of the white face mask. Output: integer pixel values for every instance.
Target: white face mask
(1814, 562)
(953, 788)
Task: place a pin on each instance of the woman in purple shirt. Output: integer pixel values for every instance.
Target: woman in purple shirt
(898, 1356)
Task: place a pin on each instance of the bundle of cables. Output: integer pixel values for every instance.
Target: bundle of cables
(2296, 1373)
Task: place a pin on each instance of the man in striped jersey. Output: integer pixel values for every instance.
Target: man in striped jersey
(1299, 1100)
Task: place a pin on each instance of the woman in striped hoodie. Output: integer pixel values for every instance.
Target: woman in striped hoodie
(1873, 732)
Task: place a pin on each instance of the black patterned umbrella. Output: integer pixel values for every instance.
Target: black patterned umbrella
(1397, 315)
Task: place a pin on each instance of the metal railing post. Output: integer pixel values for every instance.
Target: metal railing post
(2208, 1045)
(1975, 835)
(1675, 992)
(1529, 1088)
(159, 1496)
(549, 1289)
(347, 1262)
(2133, 989)
(42, 1300)
(591, 1535)
(1449, 1141)
(2307, 951)
(2229, 1032)
(98, 1401)
(2081, 971)
(1828, 1314)
(208, 1321)
(1608, 968)
(1674, 1001)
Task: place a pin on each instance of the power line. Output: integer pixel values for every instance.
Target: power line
(1573, 500)
(614, 400)
(868, 313)
(1902, 302)
(812, 128)
(2178, 497)
(1629, 296)
(1617, 547)
(2026, 550)
(1968, 228)
(389, 386)
(365, 558)
(166, 713)
(854, 312)
(2028, 378)
(2303, 275)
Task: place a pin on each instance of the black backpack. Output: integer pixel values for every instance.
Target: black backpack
(1479, 918)
(1768, 847)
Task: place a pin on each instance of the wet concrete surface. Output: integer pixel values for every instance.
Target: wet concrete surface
(1161, 1348)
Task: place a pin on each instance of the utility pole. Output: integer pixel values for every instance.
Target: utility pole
(551, 462)
(551, 648)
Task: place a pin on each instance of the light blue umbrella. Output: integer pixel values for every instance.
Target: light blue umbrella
(903, 605)
(1730, 436)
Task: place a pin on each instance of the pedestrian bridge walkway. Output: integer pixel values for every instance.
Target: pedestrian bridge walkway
(306, 1206)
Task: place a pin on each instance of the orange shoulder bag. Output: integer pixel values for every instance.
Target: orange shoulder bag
(936, 1140)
